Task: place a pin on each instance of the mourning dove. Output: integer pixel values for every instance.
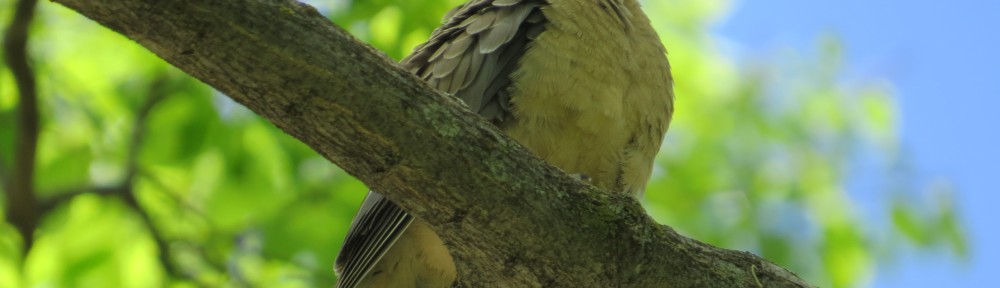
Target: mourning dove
(584, 84)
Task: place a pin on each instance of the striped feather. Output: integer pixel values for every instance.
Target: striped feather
(471, 56)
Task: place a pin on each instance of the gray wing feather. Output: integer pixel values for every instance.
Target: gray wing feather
(471, 56)
(377, 225)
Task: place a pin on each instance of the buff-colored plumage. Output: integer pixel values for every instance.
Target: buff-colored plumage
(585, 84)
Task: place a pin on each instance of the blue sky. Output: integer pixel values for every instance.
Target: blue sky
(942, 58)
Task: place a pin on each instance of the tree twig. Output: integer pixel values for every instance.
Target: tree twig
(21, 202)
(161, 242)
(156, 93)
(46, 205)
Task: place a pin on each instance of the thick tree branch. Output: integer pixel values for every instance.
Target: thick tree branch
(509, 219)
(21, 200)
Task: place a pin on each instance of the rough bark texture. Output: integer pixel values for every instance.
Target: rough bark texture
(509, 219)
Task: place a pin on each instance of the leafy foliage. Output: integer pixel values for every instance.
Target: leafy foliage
(758, 158)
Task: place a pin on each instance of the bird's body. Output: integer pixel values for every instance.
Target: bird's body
(584, 84)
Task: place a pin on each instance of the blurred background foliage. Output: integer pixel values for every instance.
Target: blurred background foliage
(154, 179)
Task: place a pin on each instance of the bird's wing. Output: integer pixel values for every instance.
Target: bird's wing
(474, 53)
(375, 228)
(471, 56)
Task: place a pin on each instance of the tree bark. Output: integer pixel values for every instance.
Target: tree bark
(509, 219)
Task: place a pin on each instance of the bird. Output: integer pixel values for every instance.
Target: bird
(583, 84)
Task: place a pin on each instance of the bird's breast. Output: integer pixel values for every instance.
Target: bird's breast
(583, 92)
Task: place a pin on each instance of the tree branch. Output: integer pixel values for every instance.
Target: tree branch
(509, 219)
(21, 200)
